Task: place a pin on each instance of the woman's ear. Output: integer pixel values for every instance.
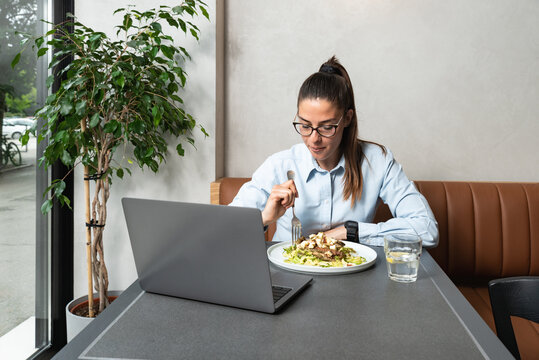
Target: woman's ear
(348, 117)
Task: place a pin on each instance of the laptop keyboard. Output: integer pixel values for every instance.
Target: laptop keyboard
(279, 292)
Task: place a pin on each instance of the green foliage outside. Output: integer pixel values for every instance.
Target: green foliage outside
(16, 17)
(19, 105)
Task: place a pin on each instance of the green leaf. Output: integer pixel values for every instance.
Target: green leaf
(15, 60)
(111, 126)
(59, 187)
(154, 51)
(66, 107)
(137, 126)
(94, 120)
(66, 158)
(120, 173)
(204, 131)
(182, 25)
(194, 33)
(61, 136)
(64, 200)
(180, 150)
(172, 87)
(176, 98)
(167, 51)
(156, 26)
(42, 51)
(25, 138)
(39, 41)
(80, 108)
(120, 81)
(46, 207)
(50, 98)
(49, 81)
(157, 119)
(128, 22)
(204, 12)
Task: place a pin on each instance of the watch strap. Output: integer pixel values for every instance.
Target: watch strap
(351, 231)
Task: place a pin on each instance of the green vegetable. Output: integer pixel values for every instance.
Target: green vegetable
(299, 256)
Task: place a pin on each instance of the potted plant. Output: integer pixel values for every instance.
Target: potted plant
(113, 93)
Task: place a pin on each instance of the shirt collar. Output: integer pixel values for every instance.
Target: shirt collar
(309, 166)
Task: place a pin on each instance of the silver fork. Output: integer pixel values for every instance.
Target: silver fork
(296, 224)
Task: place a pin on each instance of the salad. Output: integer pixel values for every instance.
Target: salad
(323, 251)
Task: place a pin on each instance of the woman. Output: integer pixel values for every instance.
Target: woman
(338, 177)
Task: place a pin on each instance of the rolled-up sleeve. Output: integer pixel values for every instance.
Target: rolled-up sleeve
(255, 193)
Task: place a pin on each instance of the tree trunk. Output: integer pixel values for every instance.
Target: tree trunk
(88, 232)
(99, 215)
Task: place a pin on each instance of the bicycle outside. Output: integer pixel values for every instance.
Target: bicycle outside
(10, 153)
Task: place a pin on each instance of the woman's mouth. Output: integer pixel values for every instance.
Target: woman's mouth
(316, 150)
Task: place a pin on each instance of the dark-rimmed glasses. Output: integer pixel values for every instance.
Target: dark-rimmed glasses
(324, 130)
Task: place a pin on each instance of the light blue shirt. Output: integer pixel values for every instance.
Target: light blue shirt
(320, 205)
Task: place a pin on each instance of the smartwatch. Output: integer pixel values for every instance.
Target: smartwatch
(351, 231)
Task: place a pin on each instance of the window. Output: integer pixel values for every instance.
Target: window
(24, 242)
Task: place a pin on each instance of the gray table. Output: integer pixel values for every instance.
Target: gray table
(360, 315)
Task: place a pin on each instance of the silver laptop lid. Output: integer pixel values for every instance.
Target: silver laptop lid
(211, 253)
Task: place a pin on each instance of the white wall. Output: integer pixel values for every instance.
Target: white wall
(181, 179)
(451, 87)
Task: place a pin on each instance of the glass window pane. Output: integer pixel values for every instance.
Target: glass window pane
(24, 258)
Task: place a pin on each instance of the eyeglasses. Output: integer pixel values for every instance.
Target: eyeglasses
(323, 130)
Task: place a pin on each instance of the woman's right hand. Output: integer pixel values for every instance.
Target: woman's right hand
(281, 198)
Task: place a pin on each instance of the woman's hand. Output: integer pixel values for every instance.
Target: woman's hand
(338, 233)
(281, 198)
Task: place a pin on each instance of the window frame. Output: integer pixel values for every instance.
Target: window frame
(54, 236)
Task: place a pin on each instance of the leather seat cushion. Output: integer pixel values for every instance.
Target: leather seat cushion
(526, 332)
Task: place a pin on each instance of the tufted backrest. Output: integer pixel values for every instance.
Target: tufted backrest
(223, 191)
(487, 230)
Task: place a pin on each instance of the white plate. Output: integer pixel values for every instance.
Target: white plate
(275, 255)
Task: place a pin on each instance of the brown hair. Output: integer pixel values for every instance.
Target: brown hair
(333, 84)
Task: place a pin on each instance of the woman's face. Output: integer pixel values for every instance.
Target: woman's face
(319, 112)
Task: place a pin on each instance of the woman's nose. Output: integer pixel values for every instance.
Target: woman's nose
(316, 136)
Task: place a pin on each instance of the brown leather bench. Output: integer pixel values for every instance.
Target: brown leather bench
(487, 230)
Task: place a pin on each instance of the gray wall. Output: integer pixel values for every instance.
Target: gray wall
(451, 87)
(180, 179)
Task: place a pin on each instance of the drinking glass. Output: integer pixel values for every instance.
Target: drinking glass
(402, 256)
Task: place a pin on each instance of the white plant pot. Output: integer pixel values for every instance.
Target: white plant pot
(74, 323)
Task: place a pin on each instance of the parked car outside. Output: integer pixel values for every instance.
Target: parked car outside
(13, 131)
(27, 121)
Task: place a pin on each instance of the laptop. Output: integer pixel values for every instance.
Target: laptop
(210, 253)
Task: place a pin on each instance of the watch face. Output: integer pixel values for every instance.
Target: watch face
(351, 230)
(350, 225)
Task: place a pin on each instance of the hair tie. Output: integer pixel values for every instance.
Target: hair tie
(329, 69)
